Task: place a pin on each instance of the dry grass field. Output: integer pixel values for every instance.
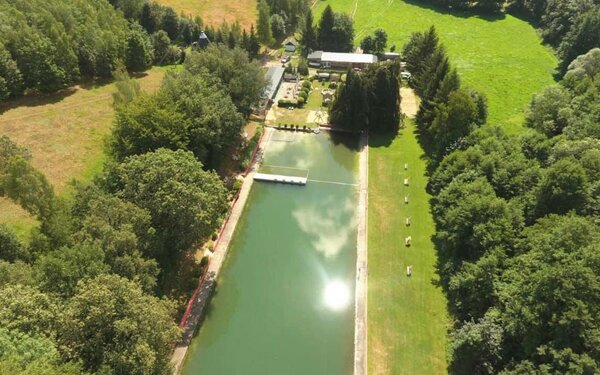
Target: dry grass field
(65, 131)
(214, 12)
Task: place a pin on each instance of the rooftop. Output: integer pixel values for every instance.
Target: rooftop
(357, 58)
(273, 75)
(316, 55)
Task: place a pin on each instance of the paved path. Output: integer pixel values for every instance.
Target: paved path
(409, 105)
(218, 257)
(360, 323)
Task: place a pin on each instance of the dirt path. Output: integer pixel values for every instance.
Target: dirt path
(410, 104)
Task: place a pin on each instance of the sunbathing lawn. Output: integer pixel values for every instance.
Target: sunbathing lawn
(407, 318)
(502, 58)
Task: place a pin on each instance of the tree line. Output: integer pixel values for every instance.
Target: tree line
(278, 18)
(50, 45)
(571, 27)
(447, 112)
(334, 32)
(516, 219)
(92, 291)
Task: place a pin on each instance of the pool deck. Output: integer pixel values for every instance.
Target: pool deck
(360, 322)
(218, 257)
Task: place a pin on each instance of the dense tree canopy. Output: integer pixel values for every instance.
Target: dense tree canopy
(231, 69)
(335, 32)
(112, 325)
(369, 100)
(185, 207)
(517, 234)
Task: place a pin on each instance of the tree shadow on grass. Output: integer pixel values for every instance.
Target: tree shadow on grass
(36, 100)
(377, 140)
(460, 13)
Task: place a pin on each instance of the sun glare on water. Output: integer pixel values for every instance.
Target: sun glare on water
(336, 295)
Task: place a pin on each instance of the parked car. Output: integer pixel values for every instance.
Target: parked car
(285, 59)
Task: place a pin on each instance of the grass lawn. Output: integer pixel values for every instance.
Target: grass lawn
(502, 58)
(65, 133)
(214, 12)
(407, 318)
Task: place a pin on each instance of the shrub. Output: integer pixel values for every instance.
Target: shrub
(237, 185)
(301, 101)
(303, 95)
(286, 103)
(307, 85)
(303, 68)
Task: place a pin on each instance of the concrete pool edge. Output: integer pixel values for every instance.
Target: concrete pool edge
(360, 311)
(206, 288)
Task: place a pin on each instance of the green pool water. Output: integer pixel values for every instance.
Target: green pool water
(284, 303)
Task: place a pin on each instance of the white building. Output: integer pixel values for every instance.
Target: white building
(341, 60)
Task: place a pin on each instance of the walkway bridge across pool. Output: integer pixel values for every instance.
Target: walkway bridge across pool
(280, 178)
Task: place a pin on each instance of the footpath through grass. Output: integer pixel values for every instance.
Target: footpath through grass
(503, 57)
(407, 318)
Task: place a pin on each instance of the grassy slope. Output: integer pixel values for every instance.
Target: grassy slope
(406, 316)
(65, 134)
(502, 58)
(214, 12)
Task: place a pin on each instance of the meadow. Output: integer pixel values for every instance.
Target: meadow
(502, 57)
(214, 12)
(65, 133)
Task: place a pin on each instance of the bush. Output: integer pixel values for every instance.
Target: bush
(307, 85)
(301, 101)
(303, 68)
(286, 103)
(237, 185)
(303, 95)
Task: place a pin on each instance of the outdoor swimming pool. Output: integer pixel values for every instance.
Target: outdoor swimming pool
(284, 302)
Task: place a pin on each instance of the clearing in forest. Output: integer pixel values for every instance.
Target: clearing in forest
(214, 12)
(65, 133)
(502, 57)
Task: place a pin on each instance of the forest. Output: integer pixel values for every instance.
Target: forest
(100, 284)
(49, 45)
(516, 218)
